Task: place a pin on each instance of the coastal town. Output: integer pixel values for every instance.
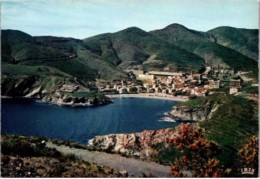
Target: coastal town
(179, 84)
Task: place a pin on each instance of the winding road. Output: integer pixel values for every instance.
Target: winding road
(134, 167)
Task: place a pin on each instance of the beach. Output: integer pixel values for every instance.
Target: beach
(150, 95)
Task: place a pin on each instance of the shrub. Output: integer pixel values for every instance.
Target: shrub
(199, 154)
(249, 155)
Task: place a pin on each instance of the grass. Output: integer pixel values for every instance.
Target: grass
(251, 89)
(201, 101)
(233, 122)
(226, 90)
(71, 67)
(166, 155)
(12, 69)
(213, 53)
(87, 95)
(244, 41)
(136, 46)
(26, 146)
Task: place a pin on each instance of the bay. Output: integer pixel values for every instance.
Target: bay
(125, 115)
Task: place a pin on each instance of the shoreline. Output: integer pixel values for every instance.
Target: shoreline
(149, 95)
(58, 103)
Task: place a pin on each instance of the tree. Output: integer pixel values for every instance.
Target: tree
(199, 154)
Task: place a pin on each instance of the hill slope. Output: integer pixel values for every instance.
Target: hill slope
(107, 56)
(244, 41)
(134, 48)
(204, 45)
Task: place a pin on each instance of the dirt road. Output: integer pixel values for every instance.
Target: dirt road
(134, 167)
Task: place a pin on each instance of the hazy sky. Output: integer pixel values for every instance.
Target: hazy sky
(80, 19)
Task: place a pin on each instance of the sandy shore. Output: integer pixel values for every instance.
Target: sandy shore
(150, 95)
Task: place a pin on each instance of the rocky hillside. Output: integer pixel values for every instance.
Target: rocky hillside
(51, 89)
(197, 110)
(29, 157)
(149, 144)
(228, 120)
(195, 114)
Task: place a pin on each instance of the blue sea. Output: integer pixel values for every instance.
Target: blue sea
(125, 115)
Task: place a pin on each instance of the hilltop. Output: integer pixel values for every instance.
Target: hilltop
(212, 46)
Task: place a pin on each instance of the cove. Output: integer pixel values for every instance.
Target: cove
(125, 115)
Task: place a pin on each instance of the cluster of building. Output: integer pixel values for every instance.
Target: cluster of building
(213, 80)
(178, 83)
(171, 83)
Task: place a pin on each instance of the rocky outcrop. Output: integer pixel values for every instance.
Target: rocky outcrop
(70, 100)
(193, 114)
(140, 144)
(18, 86)
(30, 87)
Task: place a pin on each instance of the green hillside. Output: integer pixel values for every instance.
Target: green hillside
(19, 46)
(244, 41)
(234, 121)
(205, 46)
(107, 56)
(132, 47)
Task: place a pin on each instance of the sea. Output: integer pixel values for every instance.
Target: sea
(124, 115)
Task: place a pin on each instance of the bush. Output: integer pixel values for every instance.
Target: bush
(26, 146)
(249, 155)
(199, 154)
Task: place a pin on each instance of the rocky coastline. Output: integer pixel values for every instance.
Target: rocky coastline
(73, 101)
(141, 145)
(193, 114)
(69, 101)
(62, 93)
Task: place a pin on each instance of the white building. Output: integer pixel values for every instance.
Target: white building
(233, 90)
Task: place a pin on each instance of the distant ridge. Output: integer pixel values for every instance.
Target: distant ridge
(108, 55)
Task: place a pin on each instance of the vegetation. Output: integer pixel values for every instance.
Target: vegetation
(251, 89)
(234, 121)
(225, 90)
(199, 154)
(106, 57)
(11, 70)
(249, 155)
(26, 146)
(230, 125)
(242, 40)
(202, 101)
(205, 46)
(71, 144)
(29, 157)
(136, 46)
(166, 154)
(45, 62)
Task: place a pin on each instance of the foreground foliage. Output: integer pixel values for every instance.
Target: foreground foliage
(199, 154)
(249, 155)
(29, 157)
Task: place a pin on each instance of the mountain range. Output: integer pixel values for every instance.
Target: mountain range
(108, 56)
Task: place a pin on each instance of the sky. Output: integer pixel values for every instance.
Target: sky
(85, 18)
